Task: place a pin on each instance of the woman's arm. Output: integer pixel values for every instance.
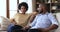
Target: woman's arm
(13, 21)
(33, 15)
(32, 18)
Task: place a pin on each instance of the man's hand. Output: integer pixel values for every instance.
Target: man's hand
(52, 27)
(43, 29)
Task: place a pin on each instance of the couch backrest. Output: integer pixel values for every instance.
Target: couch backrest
(58, 18)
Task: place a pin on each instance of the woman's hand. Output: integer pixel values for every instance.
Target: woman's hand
(13, 21)
(26, 27)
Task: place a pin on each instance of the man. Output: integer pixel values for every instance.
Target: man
(44, 21)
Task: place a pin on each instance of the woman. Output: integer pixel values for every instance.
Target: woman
(20, 20)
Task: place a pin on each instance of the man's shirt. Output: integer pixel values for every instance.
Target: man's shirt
(43, 21)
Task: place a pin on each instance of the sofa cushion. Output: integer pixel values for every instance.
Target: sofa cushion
(4, 23)
(58, 18)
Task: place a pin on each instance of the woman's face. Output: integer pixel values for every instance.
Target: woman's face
(23, 9)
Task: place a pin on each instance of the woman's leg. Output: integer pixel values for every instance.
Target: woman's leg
(10, 28)
(17, 28)
(14, 28)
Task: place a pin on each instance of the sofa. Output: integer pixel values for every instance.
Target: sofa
(6, 22)
(58, 18)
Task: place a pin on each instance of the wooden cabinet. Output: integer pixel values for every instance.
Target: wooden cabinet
(53, 5)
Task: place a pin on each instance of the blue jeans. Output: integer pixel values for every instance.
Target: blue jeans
(34, 30)
(14, 28)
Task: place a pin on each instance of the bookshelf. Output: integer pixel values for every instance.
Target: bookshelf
(53, 5)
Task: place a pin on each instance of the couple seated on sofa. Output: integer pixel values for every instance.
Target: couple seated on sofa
(40, 21)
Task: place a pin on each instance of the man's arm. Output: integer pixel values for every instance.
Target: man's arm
(53, 26)
(54, 22)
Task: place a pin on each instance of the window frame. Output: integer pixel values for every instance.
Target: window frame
(7, 8)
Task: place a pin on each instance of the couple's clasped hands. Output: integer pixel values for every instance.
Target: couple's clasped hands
(40, 29)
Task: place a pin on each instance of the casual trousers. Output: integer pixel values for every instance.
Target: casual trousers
(33, 30)
(14, 28)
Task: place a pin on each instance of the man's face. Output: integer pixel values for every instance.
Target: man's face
(40, 8)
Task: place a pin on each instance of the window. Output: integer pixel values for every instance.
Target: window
(3, 8)
(12, 7)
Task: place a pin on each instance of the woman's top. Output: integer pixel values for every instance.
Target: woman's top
(22, 19)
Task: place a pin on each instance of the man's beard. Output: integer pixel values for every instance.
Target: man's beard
(41, 11)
